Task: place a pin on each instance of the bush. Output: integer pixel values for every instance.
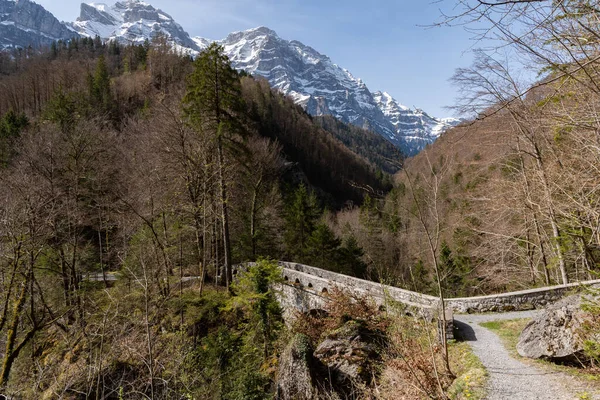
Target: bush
(341, 308)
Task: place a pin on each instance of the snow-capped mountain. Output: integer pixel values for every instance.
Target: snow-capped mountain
(309, 77)
(131, 21)
(414, 127)
(24, 23)
(323, 87)
(312, 79)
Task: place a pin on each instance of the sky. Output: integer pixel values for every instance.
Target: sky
(389, 44)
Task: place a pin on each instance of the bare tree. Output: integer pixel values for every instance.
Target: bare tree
(427, 209)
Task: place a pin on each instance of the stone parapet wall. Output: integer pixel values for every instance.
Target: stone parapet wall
(327, 279)
(517, 301)
(316, 282)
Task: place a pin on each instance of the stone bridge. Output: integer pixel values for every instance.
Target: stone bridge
(306, 288)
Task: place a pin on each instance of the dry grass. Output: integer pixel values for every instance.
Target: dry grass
(413, 366)
(342, 307)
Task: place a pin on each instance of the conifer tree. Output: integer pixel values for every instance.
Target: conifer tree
(350, 258)
(99, 84)
(323, 247)
(11, 125)
(302, 214)
(213, 106)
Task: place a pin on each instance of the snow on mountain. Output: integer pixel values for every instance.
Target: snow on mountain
(322, 87)
(312, 79)
(414, 128)
(306, 75)
(24, 23)
(131, 21)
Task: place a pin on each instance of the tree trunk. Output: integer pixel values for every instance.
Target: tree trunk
(10, 354)
(253, 217)
(225, 214)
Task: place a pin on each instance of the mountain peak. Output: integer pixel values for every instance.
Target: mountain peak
(262, 30)
(131, 21)
(259, 32)
(134, 3)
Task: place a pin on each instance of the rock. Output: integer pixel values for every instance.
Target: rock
(294, 379)
(24, 23)
(555, 333)
(350, 353)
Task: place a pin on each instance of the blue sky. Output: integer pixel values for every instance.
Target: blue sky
(386, 42)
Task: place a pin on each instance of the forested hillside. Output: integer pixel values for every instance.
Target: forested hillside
(136, 161)
(510, 199)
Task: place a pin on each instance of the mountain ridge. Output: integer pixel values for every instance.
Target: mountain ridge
(309, 77)
(24, 23)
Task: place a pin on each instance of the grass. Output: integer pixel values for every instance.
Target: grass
(471, 374)
(508, 331)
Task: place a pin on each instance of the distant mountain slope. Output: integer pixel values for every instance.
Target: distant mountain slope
(312, 79)
(324, 88)
(379, 151)
(414, 128)
(24, 23)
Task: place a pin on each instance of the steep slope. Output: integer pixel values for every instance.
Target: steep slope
(414, 129)
(131, 21)
(312, 79)
(324, 88)
(379, 151)
(336, 168)
(24, 23)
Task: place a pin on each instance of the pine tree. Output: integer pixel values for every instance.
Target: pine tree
(350, 258)
(11, 125)
(99, 86)
(62, 110)
(323, 248)
(213, 106)
(301, 217)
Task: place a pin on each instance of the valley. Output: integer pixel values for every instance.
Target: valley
(243, 218)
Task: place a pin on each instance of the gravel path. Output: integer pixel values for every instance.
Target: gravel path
(509, 377)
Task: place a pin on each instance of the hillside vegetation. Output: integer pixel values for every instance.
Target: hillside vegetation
(139, 162)
(510, 199)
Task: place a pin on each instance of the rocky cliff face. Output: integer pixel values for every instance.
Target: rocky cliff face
(24, 23)
(309, 77)
(131, 21)
(324, 88)
(413, 128)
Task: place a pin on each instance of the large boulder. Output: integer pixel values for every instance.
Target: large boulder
(555, 334)
(295, 380)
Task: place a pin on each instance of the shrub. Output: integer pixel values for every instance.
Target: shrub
(342, 307)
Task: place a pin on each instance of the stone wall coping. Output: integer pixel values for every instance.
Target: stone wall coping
(380, 293)
(526, 291)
